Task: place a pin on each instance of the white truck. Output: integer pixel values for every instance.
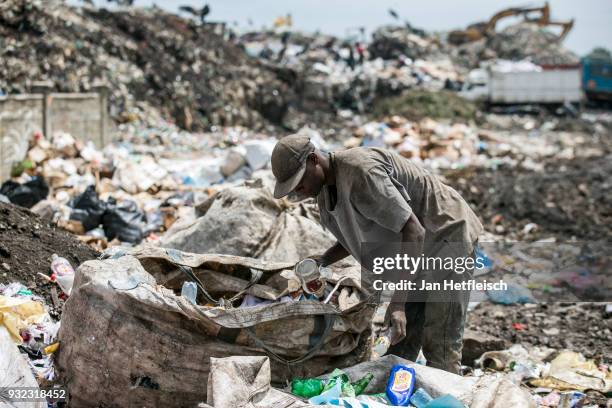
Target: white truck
(523, 83)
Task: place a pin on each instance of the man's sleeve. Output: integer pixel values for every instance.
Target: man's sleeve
(377, 198)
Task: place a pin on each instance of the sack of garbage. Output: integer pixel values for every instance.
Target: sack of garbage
(26, 194)
(245, 381)
(153, 346)
(248, 221)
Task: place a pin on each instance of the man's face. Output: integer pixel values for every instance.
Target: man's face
(313, 179)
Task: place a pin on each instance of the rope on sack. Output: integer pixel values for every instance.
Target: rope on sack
(177, 258)
(256, 275)
(329, 319)
(328, 298)
(329, 324)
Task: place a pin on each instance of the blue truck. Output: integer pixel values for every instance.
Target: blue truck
(597, 79)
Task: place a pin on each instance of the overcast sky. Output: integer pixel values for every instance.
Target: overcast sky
(593, 18)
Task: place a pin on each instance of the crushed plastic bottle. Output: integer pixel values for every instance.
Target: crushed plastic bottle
(189, 291)
(64, 273)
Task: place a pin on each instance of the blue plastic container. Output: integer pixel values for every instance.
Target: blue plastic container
(420, 398)
(400, 385)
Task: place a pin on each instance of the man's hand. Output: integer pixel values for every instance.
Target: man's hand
(396, 317)
(317, 258)
(332, 255)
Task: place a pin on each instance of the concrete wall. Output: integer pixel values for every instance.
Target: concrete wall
(83, 115)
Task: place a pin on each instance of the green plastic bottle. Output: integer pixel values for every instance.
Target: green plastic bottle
(340, 376)
(360, 385)
(306, 387)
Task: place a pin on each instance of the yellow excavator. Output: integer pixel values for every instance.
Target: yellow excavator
(477, 31)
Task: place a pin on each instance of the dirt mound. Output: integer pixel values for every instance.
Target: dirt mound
(568, 198)
(187, 70)
(27, 244)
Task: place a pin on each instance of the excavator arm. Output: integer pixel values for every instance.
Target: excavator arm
(520, 11)
(567, 27)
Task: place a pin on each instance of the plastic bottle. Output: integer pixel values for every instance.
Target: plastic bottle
(420, 398)
(360, 385)
(381, 344)
(400, 385)
(306, 387)
(189, 291)
(64, 273)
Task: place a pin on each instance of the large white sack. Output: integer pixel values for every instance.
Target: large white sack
(248, 221)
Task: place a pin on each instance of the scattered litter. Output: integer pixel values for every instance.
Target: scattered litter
(571, 371)
(514, 294)
(196, 109)
(26, 319)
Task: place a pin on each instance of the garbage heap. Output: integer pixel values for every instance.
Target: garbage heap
(187, 71)
(516, 42)
(392, 42)
(129, 190)
(201, 75)
(136, 187)
(330, 74)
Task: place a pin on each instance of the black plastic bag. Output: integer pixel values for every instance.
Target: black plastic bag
(123, 221)
(26, 194)
(155, 222)
(88, 208)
